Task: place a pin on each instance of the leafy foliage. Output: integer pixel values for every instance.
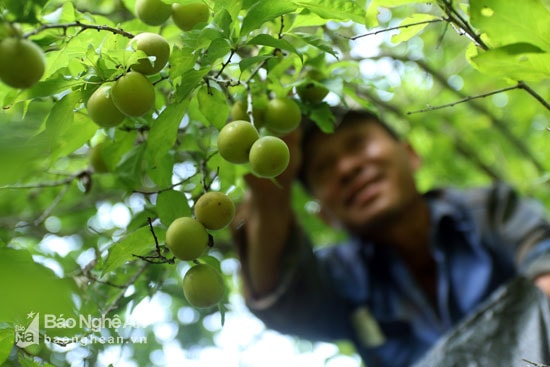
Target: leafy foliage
(466, 82)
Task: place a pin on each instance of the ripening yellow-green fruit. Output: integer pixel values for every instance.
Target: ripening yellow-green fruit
(282, 115)
(235, 140)
(215, 210)
(186, 238)
(133, 94)
(97, 161)
(153, 12)
(22, 62)
(203, 286)
(101, 108)
(269, 157)
(155, 47)
(239, 112)
(187, 16)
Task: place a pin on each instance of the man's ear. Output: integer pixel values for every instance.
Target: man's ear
(415, 160)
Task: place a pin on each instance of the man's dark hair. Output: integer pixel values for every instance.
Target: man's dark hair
(343, 117)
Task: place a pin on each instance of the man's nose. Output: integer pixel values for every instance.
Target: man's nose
(347, 167)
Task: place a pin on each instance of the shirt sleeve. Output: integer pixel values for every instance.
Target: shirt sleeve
(306, 302)
(523, 224)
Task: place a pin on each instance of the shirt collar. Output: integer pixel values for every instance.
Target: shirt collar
(442, 209)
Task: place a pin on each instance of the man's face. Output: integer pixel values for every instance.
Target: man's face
(361, 175)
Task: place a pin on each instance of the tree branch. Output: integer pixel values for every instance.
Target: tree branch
(501, 125)
(461, 146)
(41, 185)
(82, 26)
(152, 192)
(113, 305)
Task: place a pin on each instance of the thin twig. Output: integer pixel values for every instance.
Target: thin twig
(535, 363)
(168, 188)
(52, 206)
(158, 257)
(456, 19)
(225, 64)
(130, 281)
(462, 146)
(467, 99)
(538, 97)
(106, 282)
(394, 28)
(41, 185)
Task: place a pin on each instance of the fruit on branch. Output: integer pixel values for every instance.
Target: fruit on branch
(282, 115)
(203, 286)
(269, 157)
(153, 12)
(187, 16)
(215, 210)
(10, 30)
(186, 238)
(133, 94)
(155, 47)
(239, 112)
(22, 63)
(101, 108)
(97, 161)
(235, 140)
(312, 92)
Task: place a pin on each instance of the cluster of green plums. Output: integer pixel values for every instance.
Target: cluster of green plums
(184, 16)
(132, 94)
(240, 141)
(188, 238)
(22, 62)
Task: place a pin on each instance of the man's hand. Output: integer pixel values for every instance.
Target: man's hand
(543, 282)
(267, 212)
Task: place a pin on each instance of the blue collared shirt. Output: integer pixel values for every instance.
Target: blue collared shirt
(358, 291)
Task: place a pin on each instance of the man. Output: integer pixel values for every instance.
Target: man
(415, 264)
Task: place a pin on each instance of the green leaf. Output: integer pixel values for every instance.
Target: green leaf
(509, 22)
(247, 63)
(323, 117)
(54, 84)
(191, 79)
(164, 131)
(217, 49)
(407, 32)
(264, 11)
(28, 361)
(268, 40)
(336, 9)
(518, 62)
(31, 287)
(62, 132)
(139, 242)
(223, 17)
(161, 171)
(213, 106)
(170, 205)
(316, 42)
(7, 340)
(394, 3)
(181, 60)
(130, 169)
